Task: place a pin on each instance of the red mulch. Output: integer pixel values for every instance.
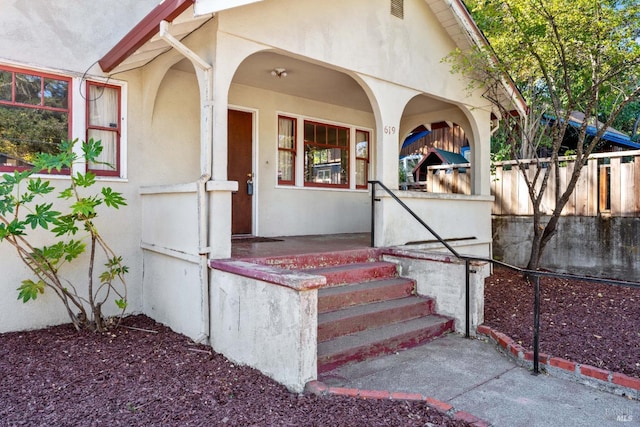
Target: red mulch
(59, 377)
(585, 322)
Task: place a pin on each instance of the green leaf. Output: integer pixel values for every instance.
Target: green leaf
(92, 150)
(121, 303)
(52, 253)
(38, 186)
(42, 217)
(66, 193)
(16, 177)
(16, 228)
(30, 290)
(65, 225)
(62, 160)
(84, 180)
(113, 199)
(73, 249)
(85, 208)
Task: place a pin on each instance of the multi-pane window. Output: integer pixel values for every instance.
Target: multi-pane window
(362, 158)
(286, 150)
(103, 124)
(34, 115)
(326, 155)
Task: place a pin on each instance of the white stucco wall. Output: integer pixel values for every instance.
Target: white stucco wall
(269, 327)
(357, 35)
(67, 37)
(65, 34)
(443, 278)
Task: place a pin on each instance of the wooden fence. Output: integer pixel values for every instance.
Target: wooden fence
(609, 184)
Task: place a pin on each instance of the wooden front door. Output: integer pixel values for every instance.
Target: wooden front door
(240, 164)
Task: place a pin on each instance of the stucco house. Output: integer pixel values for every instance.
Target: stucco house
(264, 118)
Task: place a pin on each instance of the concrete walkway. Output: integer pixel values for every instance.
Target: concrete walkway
(473, 376)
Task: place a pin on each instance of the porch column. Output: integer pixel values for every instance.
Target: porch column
(481, 152)
(388, 101)
(219, 187)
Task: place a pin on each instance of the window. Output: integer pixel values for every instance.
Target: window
(34, 115)
(103, 124)
(286, 150)
(326, 155)
(362, 158)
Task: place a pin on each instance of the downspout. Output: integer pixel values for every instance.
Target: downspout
(206, 146)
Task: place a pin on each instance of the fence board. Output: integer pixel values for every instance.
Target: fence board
(600, 183)
(614, 182)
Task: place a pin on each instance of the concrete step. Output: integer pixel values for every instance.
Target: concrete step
(321, 259)
(372, 315)
(383, 340)
(355, 272)
(337, 297)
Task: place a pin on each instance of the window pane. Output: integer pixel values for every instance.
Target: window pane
(361, 172)
(309, 132)
(343, 137)
(321, 134)
(325, 165)
(56, 93)
(285, 166)
(286, 133)
(103, 106)
(107, 160)
(27, 131)
(362, 144)
(28, 89)
(332, 136)
(5, 85)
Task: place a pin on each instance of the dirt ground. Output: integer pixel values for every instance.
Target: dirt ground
(151, 376)
(144, 374)
(586, 322)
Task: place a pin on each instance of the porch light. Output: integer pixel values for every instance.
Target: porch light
(279, 72)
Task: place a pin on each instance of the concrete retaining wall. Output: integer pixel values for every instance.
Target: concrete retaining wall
(442, 277)
(594, 246)
(270, 327)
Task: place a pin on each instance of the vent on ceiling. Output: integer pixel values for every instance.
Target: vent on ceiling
(397, 8)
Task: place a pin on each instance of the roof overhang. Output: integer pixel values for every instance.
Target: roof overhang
(142, 44)
(459, 24)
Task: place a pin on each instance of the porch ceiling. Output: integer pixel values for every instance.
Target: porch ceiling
(313, 81)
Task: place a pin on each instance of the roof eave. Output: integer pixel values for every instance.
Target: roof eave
(143, 32)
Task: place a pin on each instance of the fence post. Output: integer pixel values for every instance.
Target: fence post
(373, 213)
(536, 325)
(467, 300)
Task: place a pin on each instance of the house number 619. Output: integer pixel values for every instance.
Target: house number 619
(390, 130)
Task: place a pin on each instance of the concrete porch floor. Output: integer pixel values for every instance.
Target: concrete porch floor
(254, 247)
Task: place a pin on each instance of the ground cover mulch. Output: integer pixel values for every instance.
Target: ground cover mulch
(585, 322)
(153, 376)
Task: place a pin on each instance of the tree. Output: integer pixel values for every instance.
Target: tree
(564, 56)
(26, 212)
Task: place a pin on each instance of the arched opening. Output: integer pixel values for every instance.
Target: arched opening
(312, 151)
(435, 153)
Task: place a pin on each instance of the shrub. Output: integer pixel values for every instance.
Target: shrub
(70, 231)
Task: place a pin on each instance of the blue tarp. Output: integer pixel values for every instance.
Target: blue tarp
(414, 137)
(614, 137)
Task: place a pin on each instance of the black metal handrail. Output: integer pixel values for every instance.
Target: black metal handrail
(535, 274)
